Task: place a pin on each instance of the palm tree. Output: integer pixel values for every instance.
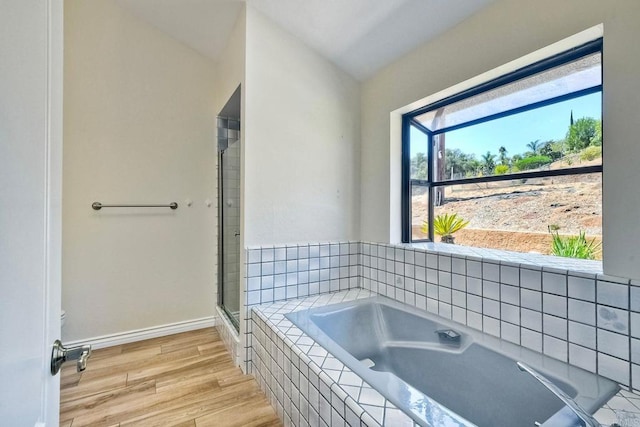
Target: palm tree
(535, 146)
(488, 161)
(503, 155)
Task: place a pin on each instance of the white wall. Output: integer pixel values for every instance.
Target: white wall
(505, 31)
(230, 74)
(301, 136)
(139, 127)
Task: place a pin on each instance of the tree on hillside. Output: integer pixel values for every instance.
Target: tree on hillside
(419, 166)
(504, 160)
(488, 162)
(584, 132)
(459, 162)
(551, 149)
(534, 146)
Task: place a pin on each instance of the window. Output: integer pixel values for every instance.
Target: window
(519, 157)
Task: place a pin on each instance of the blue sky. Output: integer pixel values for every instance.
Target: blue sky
(514, 132)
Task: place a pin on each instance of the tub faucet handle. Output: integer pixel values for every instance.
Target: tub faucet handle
(448, 335)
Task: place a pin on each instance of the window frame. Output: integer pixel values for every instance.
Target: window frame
(408, 120)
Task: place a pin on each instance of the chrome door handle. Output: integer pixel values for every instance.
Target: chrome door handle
(61, 354)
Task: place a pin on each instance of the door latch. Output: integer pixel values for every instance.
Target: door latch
(61, 354)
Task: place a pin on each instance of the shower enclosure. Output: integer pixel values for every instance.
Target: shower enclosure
(229, 209)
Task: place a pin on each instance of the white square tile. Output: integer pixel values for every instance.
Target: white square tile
(444, 294)
(432, 275)
(613, 368)
(432, 305)
(582, 334)
(490, 289)
(510, 332)
(635, 352)
(254, 255)
(491, 326)
(635, 325)
(292, 252)
(444, 310)
(369, 396)
(458, 265)
(510, 294)
(459, 314)
(432, 260)
(474, 303)
(531, 299)
(554, 326)
(474, 320)
(531, 279)
(582, 288)
(554, 304)
(556, 348)
(582, 311)
(582, 357)
(253, 270)
(444, 278)
(474, 269)
(474, 286)
(491, 271)
(491, 308)
(509, 275)
(531, 339)
(613, 294)
(395, 417)
(459, 298)
(531, 319)
(554, 283)
(459, 282)
(374, 412)
(613, 344)
(325, 409)
(444, 263)
(280, 254)
(510, 313)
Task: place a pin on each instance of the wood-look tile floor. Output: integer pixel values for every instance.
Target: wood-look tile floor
(185, 379)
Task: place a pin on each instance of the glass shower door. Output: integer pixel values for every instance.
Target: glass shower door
(229, 226)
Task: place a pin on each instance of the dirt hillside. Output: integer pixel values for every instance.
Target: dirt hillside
(516, 215)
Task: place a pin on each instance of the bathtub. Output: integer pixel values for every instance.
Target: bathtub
(441, 373)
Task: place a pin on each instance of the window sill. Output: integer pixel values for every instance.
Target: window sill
(530, 260)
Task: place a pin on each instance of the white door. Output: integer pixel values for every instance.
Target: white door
(30, 195)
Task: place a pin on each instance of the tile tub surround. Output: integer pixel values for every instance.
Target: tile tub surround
(581, 317)
(569, 311)
(278, 273)
(306, 385)
(309, 387)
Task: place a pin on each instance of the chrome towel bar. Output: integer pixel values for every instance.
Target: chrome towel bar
(97, 206)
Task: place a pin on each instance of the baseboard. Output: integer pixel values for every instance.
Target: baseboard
(146, 333)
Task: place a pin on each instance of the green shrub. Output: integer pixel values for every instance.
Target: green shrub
(501, 169)
(446, 225)
(533, 162)
(583, 133)
(591, 152)
(574, 246)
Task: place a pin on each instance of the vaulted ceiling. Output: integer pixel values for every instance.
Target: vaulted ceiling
(360, 36)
